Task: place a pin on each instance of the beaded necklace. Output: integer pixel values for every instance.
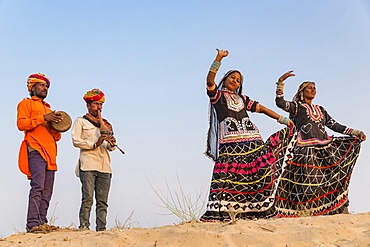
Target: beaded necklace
(233, 100)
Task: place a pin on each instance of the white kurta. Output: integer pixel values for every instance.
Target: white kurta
(84, 135)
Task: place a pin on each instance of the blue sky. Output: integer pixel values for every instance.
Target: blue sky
(150, 58)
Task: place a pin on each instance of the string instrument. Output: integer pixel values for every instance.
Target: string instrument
(105, 131)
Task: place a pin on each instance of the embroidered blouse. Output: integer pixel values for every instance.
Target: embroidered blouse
(235, 124)
(310, 121)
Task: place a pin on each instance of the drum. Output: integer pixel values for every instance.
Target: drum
(63, 125)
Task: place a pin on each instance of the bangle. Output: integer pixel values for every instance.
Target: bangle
(280, 83)
(215, 66)
(258, 109)
(280, 89)
(211, 88)
(356, 132)
(283, 120)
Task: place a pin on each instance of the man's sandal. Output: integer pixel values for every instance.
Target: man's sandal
(35, 229)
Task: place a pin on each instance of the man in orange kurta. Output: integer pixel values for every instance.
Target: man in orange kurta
(38, 151)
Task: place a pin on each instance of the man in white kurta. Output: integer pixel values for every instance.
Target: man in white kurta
(93, 167)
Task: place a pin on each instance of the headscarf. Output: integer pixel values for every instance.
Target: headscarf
(212, 137)
(94, 95)
(298, 97)
(35, 78)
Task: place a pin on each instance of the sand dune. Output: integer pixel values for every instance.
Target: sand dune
(336, 230)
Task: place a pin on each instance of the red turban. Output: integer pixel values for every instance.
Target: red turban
(35, 78)
(94, 95)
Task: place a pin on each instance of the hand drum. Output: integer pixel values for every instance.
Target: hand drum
(63, 125)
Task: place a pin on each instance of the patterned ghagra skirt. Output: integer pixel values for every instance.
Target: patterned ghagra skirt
(316, 179)
(279, 179)
(245, 179)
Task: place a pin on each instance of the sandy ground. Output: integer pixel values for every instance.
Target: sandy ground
(337, 230)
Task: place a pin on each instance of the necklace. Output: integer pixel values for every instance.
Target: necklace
(313, 112)
(234, 101)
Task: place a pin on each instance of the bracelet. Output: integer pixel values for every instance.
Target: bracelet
(215, 66)
(356, 132)
(280, 89)
(258, 109)
(211, 88)
(283, 120)
(280, 85)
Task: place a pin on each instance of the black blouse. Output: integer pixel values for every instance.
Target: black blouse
(310, 121)
(234, 122)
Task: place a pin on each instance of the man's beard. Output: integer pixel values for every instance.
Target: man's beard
(40, 96)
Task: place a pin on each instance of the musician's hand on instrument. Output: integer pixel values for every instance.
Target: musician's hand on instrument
(53, 117)
(112, 138)
(100, 140)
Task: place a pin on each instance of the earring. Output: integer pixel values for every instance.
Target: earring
(302, 97)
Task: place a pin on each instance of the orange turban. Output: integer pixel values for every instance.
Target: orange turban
(35, 78)
(94, 95)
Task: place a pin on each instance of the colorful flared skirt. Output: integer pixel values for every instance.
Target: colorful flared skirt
(246, 177)
(315, 180)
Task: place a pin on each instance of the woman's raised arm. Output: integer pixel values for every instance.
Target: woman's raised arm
(215, 66)
(279, 100)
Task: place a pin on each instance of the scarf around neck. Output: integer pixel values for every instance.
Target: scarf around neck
(96, 123)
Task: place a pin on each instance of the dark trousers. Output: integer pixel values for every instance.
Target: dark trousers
(98, 182)
(42, 182)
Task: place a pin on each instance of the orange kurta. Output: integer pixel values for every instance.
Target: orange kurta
(37, 133)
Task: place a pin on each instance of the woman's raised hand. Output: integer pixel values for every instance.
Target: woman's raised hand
(221, 54)
(286, 76)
